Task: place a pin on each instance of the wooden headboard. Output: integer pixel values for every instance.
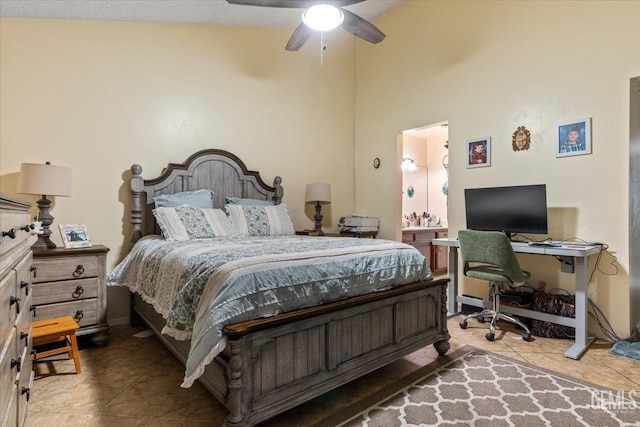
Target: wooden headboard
(211, 169)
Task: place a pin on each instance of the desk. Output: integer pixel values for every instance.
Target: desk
(576, 257)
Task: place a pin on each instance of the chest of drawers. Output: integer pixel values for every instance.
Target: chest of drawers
(16, 375)
(72, 282)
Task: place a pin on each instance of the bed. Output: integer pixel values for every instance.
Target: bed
(271, 364)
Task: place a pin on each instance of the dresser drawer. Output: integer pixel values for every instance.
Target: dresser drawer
(84, 312)
(64, 269)
(67, 290)
(8, 373)
(12, 222)
(424, 237)
(11, 416)
(7, 309)
(25, 390)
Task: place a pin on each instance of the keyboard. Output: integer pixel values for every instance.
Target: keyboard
(545, 244)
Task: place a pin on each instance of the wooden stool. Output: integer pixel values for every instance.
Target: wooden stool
(57, 329)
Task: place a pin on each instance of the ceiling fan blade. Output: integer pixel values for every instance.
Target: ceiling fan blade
(271, 3)
(299, 37)
(292, 3)
(361, 28)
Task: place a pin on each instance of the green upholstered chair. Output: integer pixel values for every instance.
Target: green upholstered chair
(488, 255)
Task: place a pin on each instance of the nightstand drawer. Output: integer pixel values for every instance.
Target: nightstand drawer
(66, 290)
(84, 312)
(64, 268)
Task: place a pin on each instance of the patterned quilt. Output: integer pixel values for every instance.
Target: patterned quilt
(200, 286)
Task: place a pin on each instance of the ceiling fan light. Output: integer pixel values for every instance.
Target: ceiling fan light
(322, 17)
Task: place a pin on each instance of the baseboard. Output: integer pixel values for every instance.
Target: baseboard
(118, 321)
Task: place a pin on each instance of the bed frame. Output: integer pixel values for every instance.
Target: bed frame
(272, 365)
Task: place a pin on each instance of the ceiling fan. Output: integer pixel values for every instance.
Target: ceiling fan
(331, 9)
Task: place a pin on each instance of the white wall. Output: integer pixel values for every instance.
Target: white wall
(98, 97)
(488, 67)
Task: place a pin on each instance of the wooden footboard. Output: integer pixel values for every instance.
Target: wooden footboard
(272, 365)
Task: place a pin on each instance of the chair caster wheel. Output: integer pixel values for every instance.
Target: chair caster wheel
(490, 336)
(526, 337)
(463, 325)
(480, 319)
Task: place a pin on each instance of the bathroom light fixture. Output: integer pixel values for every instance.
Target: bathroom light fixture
(322, 17)
(408, 164)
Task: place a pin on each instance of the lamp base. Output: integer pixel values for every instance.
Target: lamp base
(44, 241)
(318, 218)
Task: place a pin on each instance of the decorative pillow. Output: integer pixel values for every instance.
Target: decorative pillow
(198, 198)
(189, 222)
(247, 202)
(261, 220)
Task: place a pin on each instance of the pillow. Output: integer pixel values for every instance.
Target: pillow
(189, 222)
(247, 202)
(261, 220)
(198, 198)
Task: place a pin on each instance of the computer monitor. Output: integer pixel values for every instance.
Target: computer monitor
(517, 209)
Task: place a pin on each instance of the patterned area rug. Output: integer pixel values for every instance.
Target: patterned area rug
(471, 387)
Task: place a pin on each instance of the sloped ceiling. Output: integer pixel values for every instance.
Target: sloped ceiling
(206, 12)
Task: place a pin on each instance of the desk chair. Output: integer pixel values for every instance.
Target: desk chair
(488, 255)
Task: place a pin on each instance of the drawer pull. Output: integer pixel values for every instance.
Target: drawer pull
(24, 284)
(24, 336)
(27, 227)
(16, 301)
(34, 270)
(11, 233)
(27, 391)
(79, 291)
(79, 315)
(16, 363)
(79, 271)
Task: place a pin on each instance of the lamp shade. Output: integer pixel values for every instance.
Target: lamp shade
(44, 179)
(318, 192)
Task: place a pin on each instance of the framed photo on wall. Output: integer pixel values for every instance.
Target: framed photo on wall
(479, 152)
(573, 138)
(74, 236)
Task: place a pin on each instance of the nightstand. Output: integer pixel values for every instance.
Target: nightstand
(72, 282)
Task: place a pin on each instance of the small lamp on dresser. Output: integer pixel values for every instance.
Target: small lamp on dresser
(45, 180)
(319, 194)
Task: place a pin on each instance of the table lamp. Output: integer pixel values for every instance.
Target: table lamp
(45, 180)
(320, 194)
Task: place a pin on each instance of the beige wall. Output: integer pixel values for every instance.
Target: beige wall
(488, 67)
(99, 97)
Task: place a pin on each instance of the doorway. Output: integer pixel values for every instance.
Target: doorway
(634, 207)
(425, 175)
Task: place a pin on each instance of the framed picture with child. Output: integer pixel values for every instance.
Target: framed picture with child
(573, 138)
(74, 236)
(478, 152)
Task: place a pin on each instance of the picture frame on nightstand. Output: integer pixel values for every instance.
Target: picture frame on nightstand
(74, 236)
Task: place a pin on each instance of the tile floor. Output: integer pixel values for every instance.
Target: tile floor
(135, 381)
